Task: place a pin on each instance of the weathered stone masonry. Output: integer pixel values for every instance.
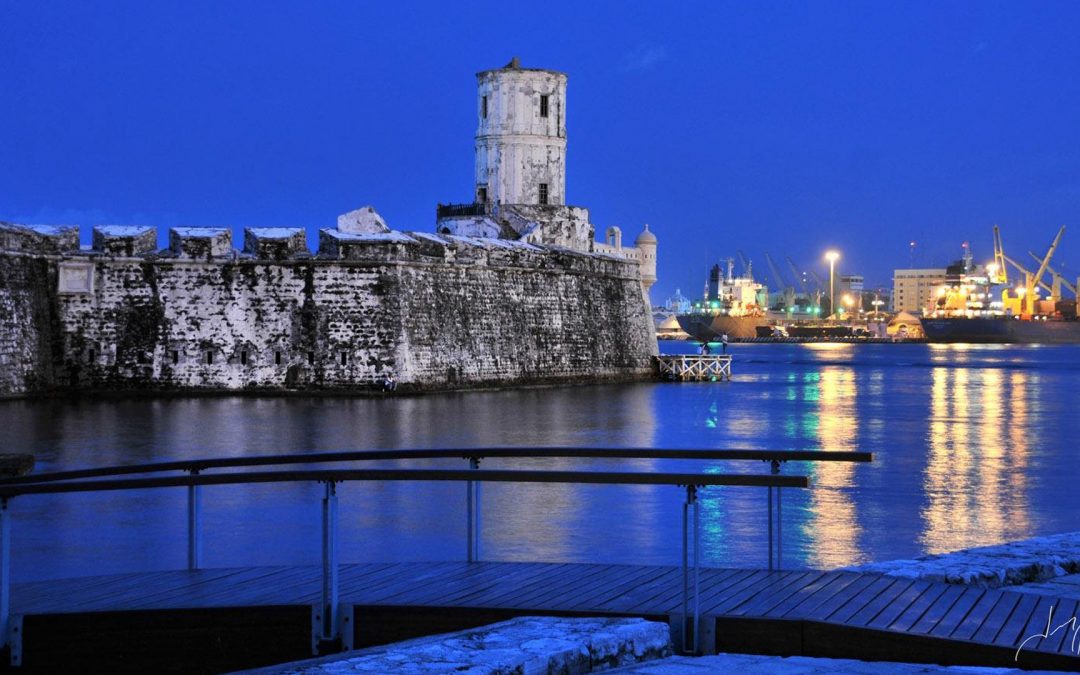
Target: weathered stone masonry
(436, 312)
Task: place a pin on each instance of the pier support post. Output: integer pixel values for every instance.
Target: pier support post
(472, 497)
(691, 519)
(331, 610)
(194, 514)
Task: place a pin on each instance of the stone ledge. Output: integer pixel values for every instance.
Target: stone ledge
(529, 645)
(1009, 564)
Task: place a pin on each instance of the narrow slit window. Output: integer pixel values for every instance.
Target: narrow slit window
(91, 356)
(543, 105)
(344, 358)
(175, 356)
(311, 358)
(209, 358)
(481, 195)
(277, 358)
(243, 358)
(543, 193)
(483, 106)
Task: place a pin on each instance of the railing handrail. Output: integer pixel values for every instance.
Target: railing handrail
(460, 475)
(194, 465)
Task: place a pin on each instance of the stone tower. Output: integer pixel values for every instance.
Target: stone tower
(521, 136)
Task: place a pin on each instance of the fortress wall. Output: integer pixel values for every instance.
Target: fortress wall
(26, 324)
(436, 313)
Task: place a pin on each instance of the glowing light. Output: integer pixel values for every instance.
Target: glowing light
(832, 256)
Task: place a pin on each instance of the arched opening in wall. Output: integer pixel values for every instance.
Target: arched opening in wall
(174, 355)
(344, 358)
(277, 358)
(243, 358)
(209, 358)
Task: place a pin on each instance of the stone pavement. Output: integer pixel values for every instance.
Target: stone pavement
(1067, 586)
(1019, 562)
(798, 665)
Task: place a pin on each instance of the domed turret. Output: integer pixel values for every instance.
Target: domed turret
(646, 243)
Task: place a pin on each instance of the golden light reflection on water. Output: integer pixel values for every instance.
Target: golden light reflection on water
(832, 527)
(975, 480)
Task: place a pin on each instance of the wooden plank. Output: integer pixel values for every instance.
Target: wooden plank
(810, 597)
(198, 593)
(1062, 627)
(747, 591)
(885, 598)
(997, 617)
(647, 594)
(552, 594)
(601, 599)
(487, 587)
(915, 612)
(471, 578)
(936, 611)
(776, 594)
(1036, 623)
(497, 591)
(667, 599)
(841, 598)
(867, 595)
(959, 611)
(1009, 635)
(977, 616)
(900, 604)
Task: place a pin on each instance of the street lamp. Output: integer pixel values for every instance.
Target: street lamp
(832, 257)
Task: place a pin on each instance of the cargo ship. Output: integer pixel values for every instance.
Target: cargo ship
(1006, 330)
(732, 306)
(977, 304)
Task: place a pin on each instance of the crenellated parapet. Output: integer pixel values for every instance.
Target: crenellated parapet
(434, 310)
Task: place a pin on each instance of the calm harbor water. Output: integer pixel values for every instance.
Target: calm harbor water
(973, 445)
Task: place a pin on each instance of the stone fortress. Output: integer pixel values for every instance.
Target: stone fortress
(511, 289)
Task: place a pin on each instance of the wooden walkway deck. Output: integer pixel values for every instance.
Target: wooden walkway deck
(837, 614)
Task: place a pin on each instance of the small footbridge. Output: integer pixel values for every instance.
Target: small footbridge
(216, 619)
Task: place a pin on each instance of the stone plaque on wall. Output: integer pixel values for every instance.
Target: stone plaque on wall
(76, 277)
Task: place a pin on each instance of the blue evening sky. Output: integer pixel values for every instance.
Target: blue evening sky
(779, 127)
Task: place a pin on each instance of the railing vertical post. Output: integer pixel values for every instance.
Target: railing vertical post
(330, 608)
(775, 470)
(770, 529)
(194, 551)
(690, 627)
(5, 572)
(472, 490)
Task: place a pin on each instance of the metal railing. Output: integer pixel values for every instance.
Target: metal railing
(330, 620)
(461, 210)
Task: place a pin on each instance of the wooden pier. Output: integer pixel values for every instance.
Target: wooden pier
(234, 618)
(695, 367)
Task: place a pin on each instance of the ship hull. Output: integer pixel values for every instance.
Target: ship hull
(1002, 331)
(708, 328)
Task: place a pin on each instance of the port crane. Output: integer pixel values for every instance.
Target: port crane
(1058, 280)
(813, 298)
(747, 266)
(1031, 279)
(786, 290)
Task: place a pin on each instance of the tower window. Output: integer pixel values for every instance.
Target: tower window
(209, 358)
(483, 106)
(543, 193)
(277, 358)
(543, 105)
(243, 358)
(481, 195)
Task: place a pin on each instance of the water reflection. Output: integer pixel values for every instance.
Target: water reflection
(975, 480)
(832, 526)
(971, 446)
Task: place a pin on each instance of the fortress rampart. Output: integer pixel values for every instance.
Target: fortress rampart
(433, 311)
